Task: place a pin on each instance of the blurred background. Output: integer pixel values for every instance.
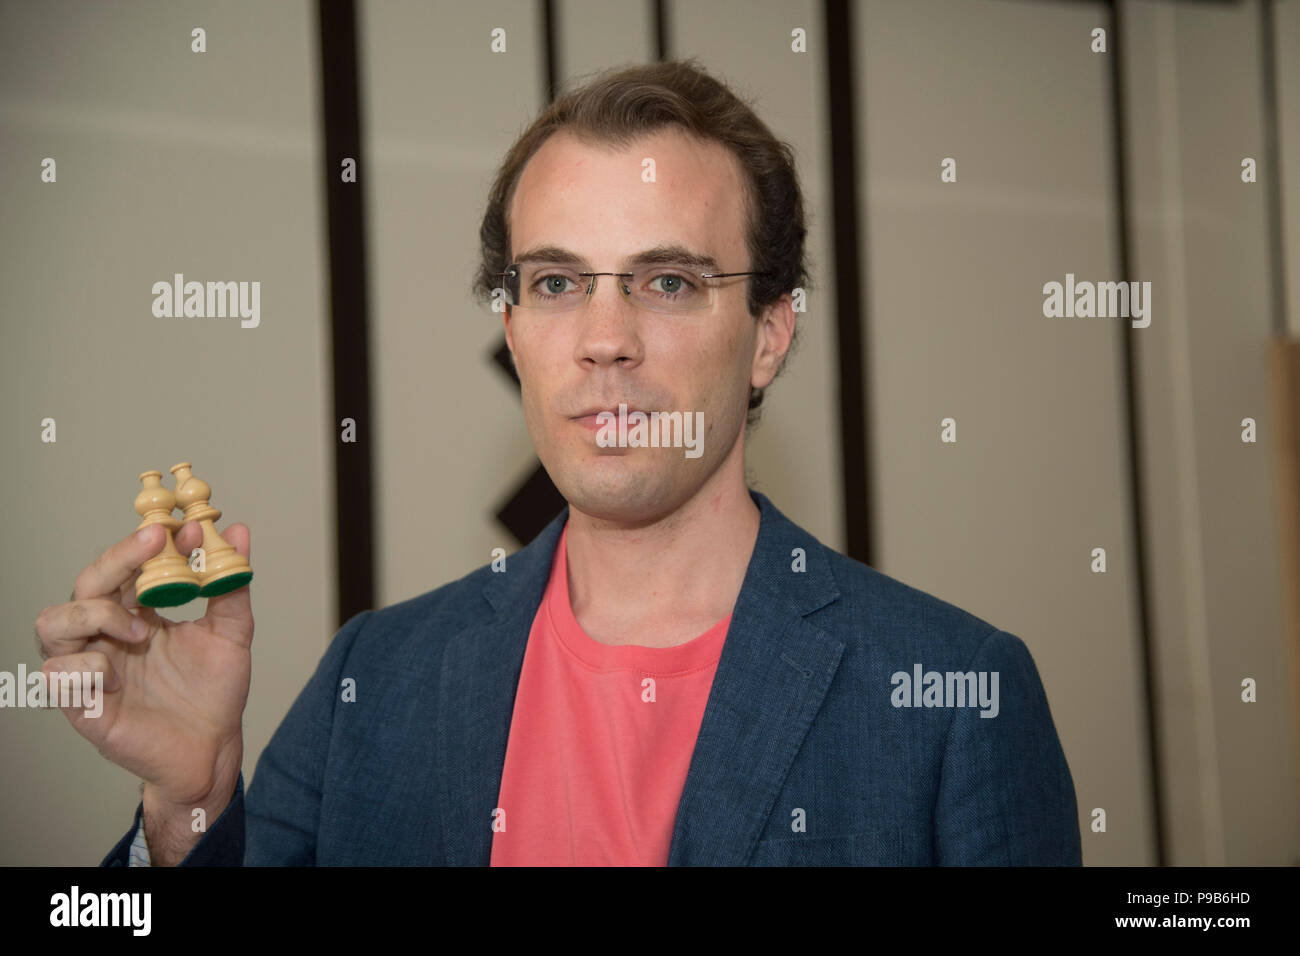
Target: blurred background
(1074, 434)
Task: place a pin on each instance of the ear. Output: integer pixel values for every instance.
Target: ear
(775, 333)
(510, 338)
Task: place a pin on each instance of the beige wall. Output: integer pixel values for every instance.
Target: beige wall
(450, 441)
(593, 35)
(1286, 54)
(1202, 239)
(793, 453)
(1003, 521)
(168, 161)
(208, 164)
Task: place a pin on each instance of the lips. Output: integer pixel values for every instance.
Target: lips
(592, 421)
(596, 410)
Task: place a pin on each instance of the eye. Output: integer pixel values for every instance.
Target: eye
(673, 283)
(552, 284)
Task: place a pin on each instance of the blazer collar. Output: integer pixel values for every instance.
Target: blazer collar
(771, 679)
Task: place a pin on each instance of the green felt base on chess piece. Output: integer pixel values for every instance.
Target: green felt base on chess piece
(225, 585)
(169, 595)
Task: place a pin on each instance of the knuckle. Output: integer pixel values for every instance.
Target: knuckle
(78, 616)
(100, 613)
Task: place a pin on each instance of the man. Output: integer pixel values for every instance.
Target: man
(672, 672)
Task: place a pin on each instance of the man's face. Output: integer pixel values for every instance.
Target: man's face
(591, 200)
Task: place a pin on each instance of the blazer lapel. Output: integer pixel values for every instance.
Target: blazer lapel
(770, 682)
(476, 698)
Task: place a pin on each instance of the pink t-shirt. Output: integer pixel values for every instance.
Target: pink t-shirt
(600, 741)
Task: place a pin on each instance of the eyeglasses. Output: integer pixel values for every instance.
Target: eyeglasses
(663, 287)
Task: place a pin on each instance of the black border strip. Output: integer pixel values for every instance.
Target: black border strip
(550, 50)
(350, 355)
(1133, 419)
(662, 28)
(852, 312)
(1273, 160)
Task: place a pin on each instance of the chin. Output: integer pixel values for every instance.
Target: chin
(615, 489)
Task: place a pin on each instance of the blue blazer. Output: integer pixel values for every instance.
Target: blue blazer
(806, 753)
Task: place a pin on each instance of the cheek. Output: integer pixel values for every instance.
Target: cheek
(532, 381)
(538, 352)
(733, 353)
(713, 370)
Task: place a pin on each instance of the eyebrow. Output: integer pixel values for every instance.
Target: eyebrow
(670, 253)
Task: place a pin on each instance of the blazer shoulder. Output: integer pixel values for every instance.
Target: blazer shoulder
(891, 611)
(443, 610)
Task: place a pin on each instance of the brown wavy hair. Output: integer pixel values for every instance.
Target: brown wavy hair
(621, 105)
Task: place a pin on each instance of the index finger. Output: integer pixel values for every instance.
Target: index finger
(105, 577)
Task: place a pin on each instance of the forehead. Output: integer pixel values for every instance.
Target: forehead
(606, 202)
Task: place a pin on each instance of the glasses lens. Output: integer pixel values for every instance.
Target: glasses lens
(535, 285)
(661, 288)
(671, 288)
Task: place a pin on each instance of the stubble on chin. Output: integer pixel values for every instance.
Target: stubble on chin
(622, 493)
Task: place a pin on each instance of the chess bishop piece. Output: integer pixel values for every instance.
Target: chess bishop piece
(165, 579)
(225, 568)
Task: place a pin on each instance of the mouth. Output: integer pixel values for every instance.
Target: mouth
(591, 419)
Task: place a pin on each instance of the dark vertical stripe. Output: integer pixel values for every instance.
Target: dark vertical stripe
(1273, 166)
(350, 355)
(850, 307)
(550, 69)
(1137, 503)
(662, 26)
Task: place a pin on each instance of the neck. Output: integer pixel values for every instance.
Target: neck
(667, 582)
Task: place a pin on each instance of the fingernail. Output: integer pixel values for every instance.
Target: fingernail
(143, 534)
(140, 628)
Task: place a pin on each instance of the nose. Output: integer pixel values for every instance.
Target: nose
(608, 327)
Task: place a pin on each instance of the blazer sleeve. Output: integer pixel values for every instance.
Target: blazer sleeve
(1006, 797)
(275, 824)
